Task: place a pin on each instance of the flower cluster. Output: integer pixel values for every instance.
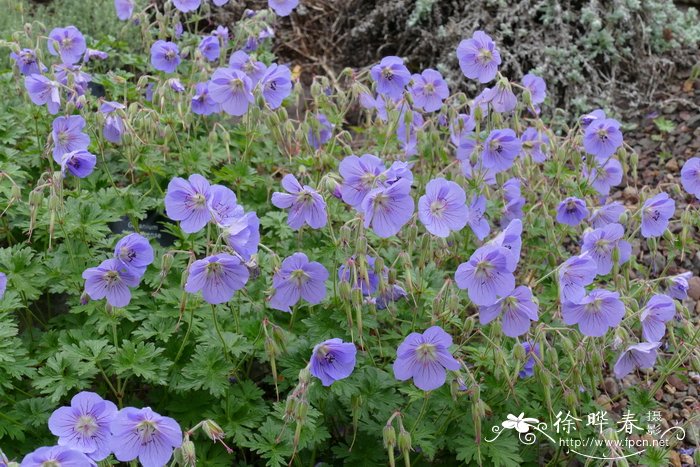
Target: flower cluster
(91, 429)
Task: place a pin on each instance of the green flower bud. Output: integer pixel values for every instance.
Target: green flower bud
(345, 291)
(404, 441)
(302, 409)
(188, 457)
(304, 375)
(519, 353)
(361, 245)
(212, 429)
(389, 434)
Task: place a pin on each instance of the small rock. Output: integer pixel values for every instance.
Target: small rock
(659, 395)
(685, 413)
(687, 460)
(669, 389)
(674, 459)
(630, 193)
(676, 382)
(692, 434)
(668, 398)
(604, 401)
(692, 390)
(611, 386)
(694, 288)
(672, 165)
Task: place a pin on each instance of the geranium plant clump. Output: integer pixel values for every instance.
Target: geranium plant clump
(203, 260)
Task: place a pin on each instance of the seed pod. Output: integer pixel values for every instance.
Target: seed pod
(302, 409)
(361, 245)
(345, 291)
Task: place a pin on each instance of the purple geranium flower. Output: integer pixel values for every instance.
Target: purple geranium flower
(320, 131)
(476, 217)
(222, 204)
(604, 175)
(111, 280)
(61, 456)
(678, 285)
(658, 310)
(221, 31)
(360, 176)
(513, 201)
(537, 88)
(84, 426)
(135, 253)
(298, 278)
(3, 284)
(243, 62)
(186, 6)
(600, 243)
(387, 209)
(487, 275)
(442, 209)
(602, 138)
(510, 239)
(67, 43)
(391, 76)
(232, 89)
(429, 89)
(589, 118)
(407, 130)
(125, 8)
(425, 357)
(534, 143)
(607, 214)
(209, 47)
(531, 351)
(186, 201)
(165, 56)
(690, 176)
(72, 77)
(332, 360)
(220, 3)
(656, 213)
(43, 91)
(283, 7)
(144, 434)
(500, 150)
(305, 205)
(242, 233)
(114, 128)
(595, 312)
(378, 104)
(461, 129)
(92, 54)
(276, 85)
(218, 277)
(572, 211)
(574, 275)
(202, 103)
(178, 30)
(176, 85)
(367, 285)
(501, 97)
(517, 310)
(79, 163)
(68, 135)
(478, 57)
(26, 62)
(642, 355)
(391, 293)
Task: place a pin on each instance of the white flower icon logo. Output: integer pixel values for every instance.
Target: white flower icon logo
(520, 423)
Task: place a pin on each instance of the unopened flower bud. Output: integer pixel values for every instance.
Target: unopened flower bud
(187, 456)
(304, 375)
(389, 434)
(571, 399)
(84, 298)
(669, 236)
(404, 441)
(519, 353)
